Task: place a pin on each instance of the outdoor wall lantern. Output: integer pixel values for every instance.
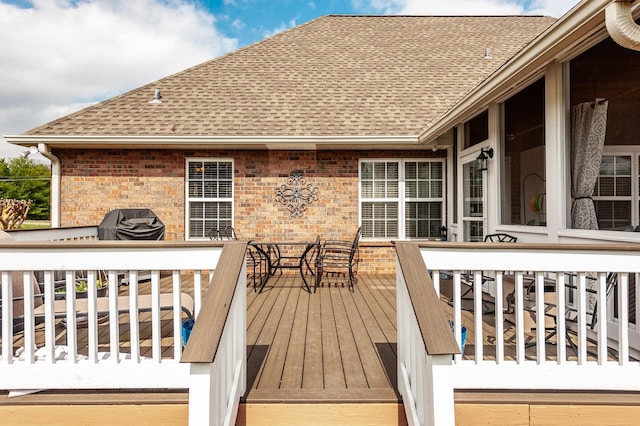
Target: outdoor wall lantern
(485, 154)
(296, 194)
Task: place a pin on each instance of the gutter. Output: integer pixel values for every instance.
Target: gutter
(621, 26)
(204, 142)
(55, 184)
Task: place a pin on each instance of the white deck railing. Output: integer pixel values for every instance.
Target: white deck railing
(526, 349)
(55, 234)
(88, 346)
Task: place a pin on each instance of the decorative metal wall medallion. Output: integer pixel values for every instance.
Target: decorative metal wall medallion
(296, 194)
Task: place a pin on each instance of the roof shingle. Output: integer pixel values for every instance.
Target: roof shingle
(333, 76)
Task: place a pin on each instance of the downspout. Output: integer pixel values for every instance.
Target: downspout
(621, 26)
(55, 184)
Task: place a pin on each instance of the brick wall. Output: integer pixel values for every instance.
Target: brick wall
(96, 181)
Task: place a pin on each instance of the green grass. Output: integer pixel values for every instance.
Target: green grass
(35, 224)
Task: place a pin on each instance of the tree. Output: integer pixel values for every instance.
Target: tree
(24, 179)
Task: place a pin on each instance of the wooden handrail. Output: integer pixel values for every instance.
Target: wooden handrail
(207, 331)
(608, 247)
(434, 326)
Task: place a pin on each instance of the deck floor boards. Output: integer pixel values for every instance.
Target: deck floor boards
(322, 346)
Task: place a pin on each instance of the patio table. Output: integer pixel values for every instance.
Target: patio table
(288, 255)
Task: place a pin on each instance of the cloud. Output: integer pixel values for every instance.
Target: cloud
(58, 56)
(280, 28)
(238, 24)
(554, 8)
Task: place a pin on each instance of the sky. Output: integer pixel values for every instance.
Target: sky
(59, 56)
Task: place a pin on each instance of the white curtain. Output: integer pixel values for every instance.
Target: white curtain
(588, 129)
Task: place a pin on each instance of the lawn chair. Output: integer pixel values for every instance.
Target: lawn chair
(339, 258)
(145, 304)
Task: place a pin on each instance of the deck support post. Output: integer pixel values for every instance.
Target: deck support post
(201, 398)
(439, 402)
(429, 401)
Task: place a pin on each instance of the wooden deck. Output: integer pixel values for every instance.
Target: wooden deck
(307, 351)
(334, 345)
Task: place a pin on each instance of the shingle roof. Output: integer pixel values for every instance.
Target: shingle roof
(333, 76)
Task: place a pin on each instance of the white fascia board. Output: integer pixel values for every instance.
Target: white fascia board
(532, 59)
(272, 142)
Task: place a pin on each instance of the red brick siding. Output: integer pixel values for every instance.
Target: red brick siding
(96, 181)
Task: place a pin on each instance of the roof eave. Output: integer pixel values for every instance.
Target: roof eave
(218, 142)
(583, 21)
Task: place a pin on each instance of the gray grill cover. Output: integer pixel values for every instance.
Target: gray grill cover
(131, 224)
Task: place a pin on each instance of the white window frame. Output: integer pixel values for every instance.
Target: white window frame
(189, 199)
(634, 198)
(401, 199)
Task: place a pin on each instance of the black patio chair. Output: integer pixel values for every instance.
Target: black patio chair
(571, 313)
(467, 277)
(257, 265)
(339, 259)
(500, 238)
(225, 234)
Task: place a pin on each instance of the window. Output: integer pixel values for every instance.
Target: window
(401, 199)
(613, 194)
(209, 196)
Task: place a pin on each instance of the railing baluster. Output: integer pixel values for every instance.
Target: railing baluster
(70, 299)
(134, 317)
(519, 290)
(499, 315)
(92, 316)
(623, 318)
(478, 296)
(197, 291)
(49, 318)
(29, 322)
(7, 318)
(156, 331)
(177, 315)
(457, 310)
(541, 320)
(435, 277)
(602, 318)
(114, 318)
(561, 323)
(582, 318)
